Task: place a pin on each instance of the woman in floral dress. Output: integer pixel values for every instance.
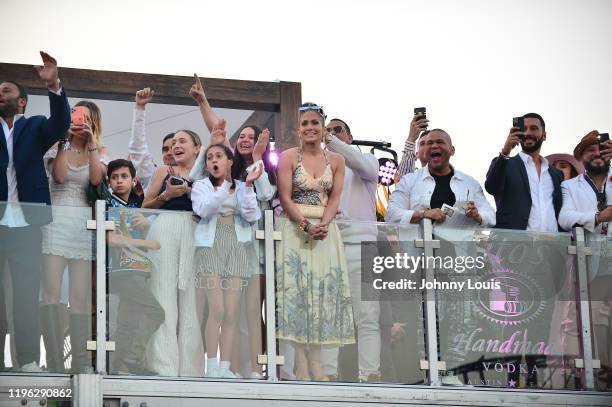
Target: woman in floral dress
(314, 305)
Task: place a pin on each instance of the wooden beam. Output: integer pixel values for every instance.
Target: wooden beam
(290, 101)
(112, 85)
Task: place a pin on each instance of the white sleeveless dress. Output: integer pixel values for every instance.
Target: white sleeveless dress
(67, 235)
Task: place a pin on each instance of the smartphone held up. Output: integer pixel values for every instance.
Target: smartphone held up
(519, 123)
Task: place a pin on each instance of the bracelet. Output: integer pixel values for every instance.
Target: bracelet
(304, 225)
(91, 150)
(162, 197)
(504, 156)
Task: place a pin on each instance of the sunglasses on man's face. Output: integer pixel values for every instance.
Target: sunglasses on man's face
(313, 122)
(335, 129)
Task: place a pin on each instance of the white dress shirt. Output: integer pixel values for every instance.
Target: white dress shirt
(542, 214)
(13, 216)
(416, 188)
(579, 208)
(580, 204)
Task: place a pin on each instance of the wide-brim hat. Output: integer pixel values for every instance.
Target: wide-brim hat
(565, 157)
(591, 138)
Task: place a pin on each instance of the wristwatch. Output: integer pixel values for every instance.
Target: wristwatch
(63, 144)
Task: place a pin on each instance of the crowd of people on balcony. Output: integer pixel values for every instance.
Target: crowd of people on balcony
(191, 292)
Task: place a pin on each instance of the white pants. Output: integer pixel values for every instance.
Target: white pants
(170, 354)
(366, 315)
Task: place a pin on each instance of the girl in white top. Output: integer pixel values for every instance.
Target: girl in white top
(227, 208)
(73, 163)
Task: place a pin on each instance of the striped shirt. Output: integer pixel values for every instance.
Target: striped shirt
(409, 158)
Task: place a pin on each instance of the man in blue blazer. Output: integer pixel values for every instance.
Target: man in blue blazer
(528, 195)
(25, 199)
(526, 189)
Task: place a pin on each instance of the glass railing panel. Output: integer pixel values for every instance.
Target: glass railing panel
(47, 259)
(182, 293)
(599, 277)
(505, 300)
(337, 317)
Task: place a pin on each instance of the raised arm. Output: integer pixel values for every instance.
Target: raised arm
(496, 176)
(263, 188)
(59, 120)
(208, 114)
(138, 148)
(365, 166)
(407, 164)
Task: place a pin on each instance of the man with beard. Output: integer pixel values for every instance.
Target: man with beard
(23, 143)
(526, 189)
(585, 204)
(527, 192)
(422, 194)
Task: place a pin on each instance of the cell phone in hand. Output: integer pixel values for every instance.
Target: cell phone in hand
(176, 180)
(602, 138)
(519, 123)
(420, 111)
(78, 115)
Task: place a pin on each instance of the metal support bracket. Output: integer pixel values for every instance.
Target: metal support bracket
(108, 225)
(585, 308)
(420, 243)
(93, 345)
(263, 360)
(425, 365)
(579, 363)
(261, 235)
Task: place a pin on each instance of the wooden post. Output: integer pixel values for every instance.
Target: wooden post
(290, 101)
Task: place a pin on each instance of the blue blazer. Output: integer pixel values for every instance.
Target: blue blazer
(507, 181)
(32, 137)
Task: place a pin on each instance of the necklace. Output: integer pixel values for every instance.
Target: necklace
(76, 150)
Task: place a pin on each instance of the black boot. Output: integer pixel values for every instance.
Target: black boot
(52, 326)
(80, 332)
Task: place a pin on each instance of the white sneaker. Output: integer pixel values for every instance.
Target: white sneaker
(213, 372)
(256, 376)
(225, 373)
(31, 368)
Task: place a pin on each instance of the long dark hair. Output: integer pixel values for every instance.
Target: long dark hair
(240, 164)
(228, 153)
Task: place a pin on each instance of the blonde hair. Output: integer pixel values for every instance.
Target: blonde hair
(96, 120)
